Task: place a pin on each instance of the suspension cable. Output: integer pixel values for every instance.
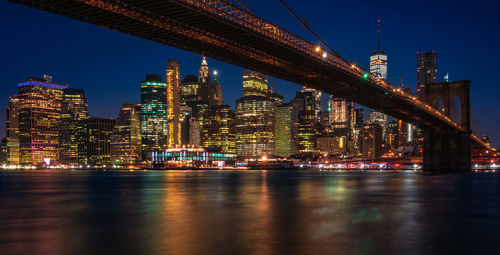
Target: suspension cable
(312, 32)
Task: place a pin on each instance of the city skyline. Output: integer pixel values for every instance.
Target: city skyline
(93, 77)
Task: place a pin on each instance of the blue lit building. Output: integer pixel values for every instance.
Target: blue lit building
(153, 115)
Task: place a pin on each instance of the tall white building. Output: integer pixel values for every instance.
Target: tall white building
(378, 67)
(378, 60)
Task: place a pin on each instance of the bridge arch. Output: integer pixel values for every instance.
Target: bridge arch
(439, 104)
(455, 97)
(456, 110)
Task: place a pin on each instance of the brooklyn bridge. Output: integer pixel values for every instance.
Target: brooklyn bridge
(224, 31)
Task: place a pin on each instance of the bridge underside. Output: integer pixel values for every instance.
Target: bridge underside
(178, 24)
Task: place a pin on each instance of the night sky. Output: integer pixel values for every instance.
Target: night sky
(110, 65)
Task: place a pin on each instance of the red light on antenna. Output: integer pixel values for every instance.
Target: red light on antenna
(378, 20)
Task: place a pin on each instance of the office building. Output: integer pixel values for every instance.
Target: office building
(190, 90)
(371, 141)
(426, 71)
(341, 115)
(255, 84)
(153, 115)
(12, 128)
(173, 73)
(94, 146)
(218, 131)
(316, 99)
(305, 102)
(285, 130)
(254, 117)
(378, 60)
(126, 136)
(39, 112)
(73, 109)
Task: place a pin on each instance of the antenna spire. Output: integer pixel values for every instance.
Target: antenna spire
(378, 34)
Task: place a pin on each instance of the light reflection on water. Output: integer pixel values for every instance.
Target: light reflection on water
(247, 212)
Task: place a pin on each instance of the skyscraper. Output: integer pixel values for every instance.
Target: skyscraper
(378, 60)
(426, 70)
(190, 90)
(285, 131)
(378, 118)
(39, 113)
(173, 74)
(305, 104)
(210, 90)
(12, 128)
(218, 131)
(371, 141)
(94, 136)
(255, 84)
(126, 137)
(341, 115)
(316, 99)
(153, 115)
(254, 117)
(73, 109)
(378, 67)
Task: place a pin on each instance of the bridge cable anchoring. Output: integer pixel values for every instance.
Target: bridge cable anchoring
(312, 32)
(244, 7)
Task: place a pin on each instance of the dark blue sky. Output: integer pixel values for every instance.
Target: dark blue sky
(110, 65)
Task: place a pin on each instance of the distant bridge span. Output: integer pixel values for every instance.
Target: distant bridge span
(219, 29)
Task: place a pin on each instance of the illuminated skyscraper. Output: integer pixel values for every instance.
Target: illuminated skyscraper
(126, 137)
(378, 67)
(12, 128)
(190, 90)
(255, 84)
(285, 131)
(316, 97)
(378, 60)
(173, 74)
(378, 118)
(307, 123)
(426, 70)
(73, 109)
(254, 117)
(371, 141)
(218, 131)
(39, 113)
(94, 146)
(341, 115)
(153, 115)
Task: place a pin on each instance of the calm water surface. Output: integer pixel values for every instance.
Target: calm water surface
(248, 212)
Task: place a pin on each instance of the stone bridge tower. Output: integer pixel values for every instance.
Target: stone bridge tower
(448, 151)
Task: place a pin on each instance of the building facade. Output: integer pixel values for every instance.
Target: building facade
(73, 109)
(371, 141)
(39, 113)
(12, 128)
(126, 136)
(94, 146)
(285, 130)
(218, 131)
(426, 71)
(153, 115)
(173, 74)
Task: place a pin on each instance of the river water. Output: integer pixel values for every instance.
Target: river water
(248, 212)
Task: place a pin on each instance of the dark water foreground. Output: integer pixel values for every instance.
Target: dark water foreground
(248, 212)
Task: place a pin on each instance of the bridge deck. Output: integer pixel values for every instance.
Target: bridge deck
(220, 30)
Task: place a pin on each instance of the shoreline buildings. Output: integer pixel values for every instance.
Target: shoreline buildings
(39, 113)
